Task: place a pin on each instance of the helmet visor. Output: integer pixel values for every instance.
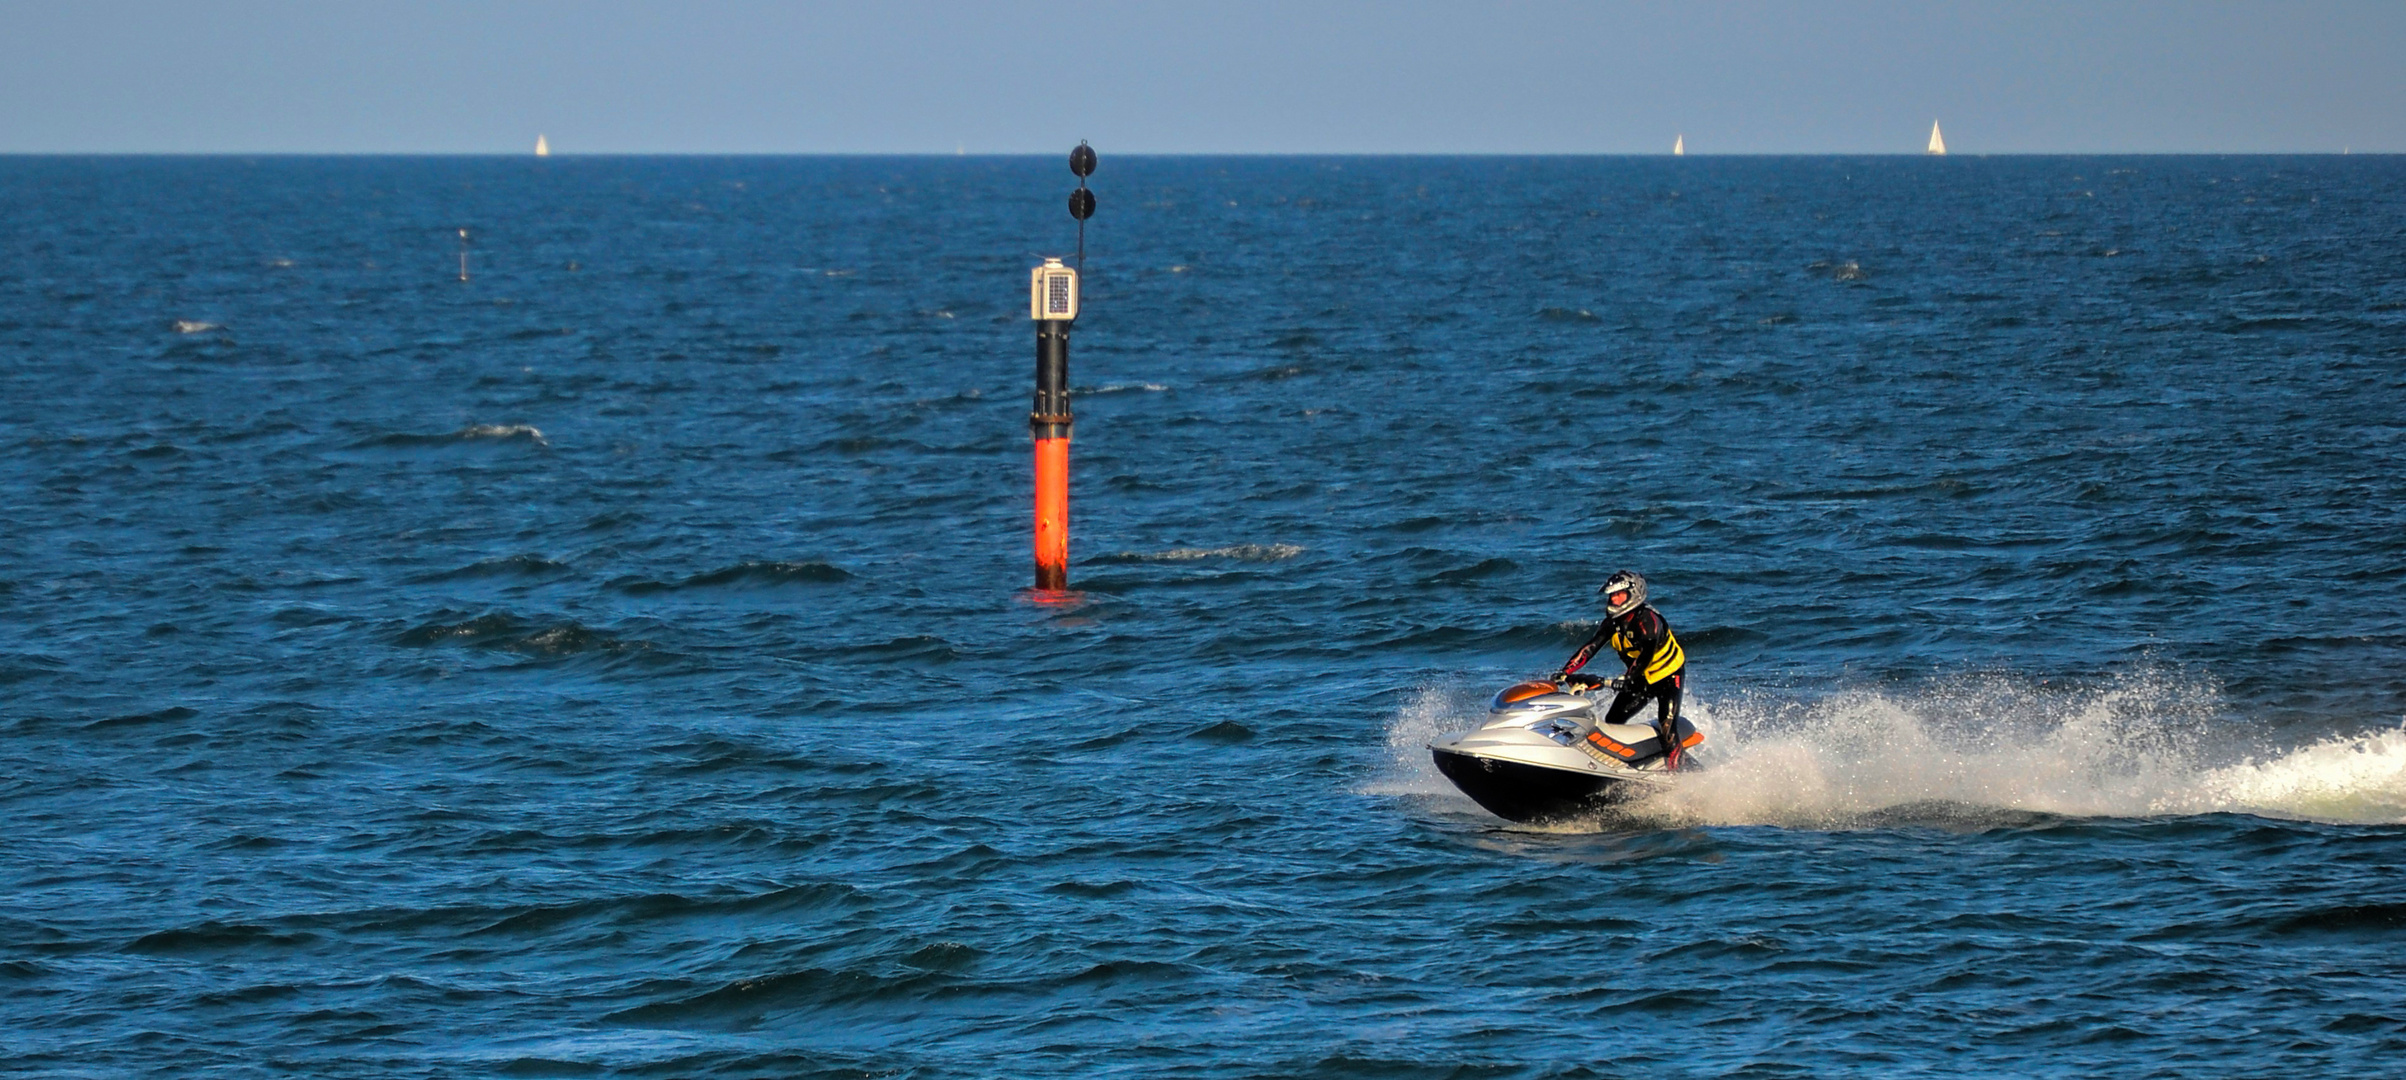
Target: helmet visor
(1616, 597)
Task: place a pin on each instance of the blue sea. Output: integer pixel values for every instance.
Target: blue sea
(621, 663)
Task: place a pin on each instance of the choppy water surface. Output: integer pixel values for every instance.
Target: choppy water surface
(616, 665)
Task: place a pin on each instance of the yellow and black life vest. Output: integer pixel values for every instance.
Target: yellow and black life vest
(1646, 639)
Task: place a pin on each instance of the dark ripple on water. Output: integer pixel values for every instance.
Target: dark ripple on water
(615, 665)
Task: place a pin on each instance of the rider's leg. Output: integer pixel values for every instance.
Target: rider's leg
(1666, 718)
(1625, 704)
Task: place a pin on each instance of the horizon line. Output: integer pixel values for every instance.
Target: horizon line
(598, 155)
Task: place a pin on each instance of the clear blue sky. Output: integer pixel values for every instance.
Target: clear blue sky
(1300, 76)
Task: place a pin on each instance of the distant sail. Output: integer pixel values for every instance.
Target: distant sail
(542, 148)
(1938, 145)
(1679, 145)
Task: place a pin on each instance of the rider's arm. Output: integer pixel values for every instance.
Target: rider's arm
(1587, 652)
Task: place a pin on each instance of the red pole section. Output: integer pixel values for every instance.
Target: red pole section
(1052, 514)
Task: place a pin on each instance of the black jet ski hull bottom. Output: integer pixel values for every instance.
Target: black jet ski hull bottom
(1517, 792)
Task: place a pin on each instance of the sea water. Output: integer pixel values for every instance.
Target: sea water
(619, 662)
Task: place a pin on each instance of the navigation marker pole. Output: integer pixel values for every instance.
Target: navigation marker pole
(1053, 303)
(463, 254)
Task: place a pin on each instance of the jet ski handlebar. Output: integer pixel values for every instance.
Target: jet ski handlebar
(1585, 682)
(1557, 683)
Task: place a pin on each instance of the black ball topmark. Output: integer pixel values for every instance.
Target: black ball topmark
(1081, 161)
(1081, 204)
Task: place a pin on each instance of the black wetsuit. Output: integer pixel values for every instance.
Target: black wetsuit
(1656, 663)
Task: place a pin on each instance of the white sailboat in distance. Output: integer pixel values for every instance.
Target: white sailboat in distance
(542, 148)
(1938, 144)
(1679, 145)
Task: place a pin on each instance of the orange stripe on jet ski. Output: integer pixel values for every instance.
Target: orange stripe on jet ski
(1616, 749)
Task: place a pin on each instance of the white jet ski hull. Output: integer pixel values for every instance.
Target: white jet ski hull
(1542, 757)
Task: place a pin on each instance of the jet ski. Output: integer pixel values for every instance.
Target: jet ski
(1542, 755)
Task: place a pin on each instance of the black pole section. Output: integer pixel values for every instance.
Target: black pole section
(1050, 419)
(1081, 201)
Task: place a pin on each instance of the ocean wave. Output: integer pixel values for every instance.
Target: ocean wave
(170, 715)
(1119, 388)
(216, 938)
(712, 755)
(504, 632)
(912, 648)
(1484, 568)
(473, 433)
(747, 1002)
(1239, 552)
(511, 566)
(528, 432)
(749, 574)
(20, 667)
(1846, 270)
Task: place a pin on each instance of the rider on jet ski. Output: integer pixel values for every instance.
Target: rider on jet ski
(1641, 637)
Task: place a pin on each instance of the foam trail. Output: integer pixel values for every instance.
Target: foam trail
(2359, 779)
(1984, 751)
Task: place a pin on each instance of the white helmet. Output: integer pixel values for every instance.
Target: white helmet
(1623, 592)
